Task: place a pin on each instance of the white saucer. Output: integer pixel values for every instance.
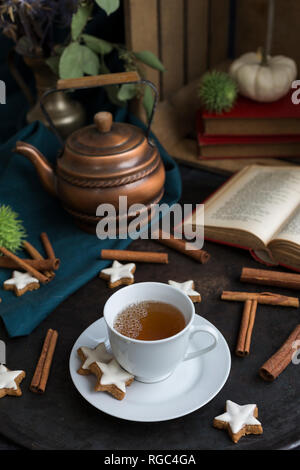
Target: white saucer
(193, 384)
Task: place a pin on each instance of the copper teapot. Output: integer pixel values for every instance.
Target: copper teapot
(102, 161)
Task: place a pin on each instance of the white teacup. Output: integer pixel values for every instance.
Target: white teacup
(153, 361)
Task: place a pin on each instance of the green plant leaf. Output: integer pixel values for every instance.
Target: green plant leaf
(71, 62)
(148, 101)
(150, 59)
(53, 63)
(90, 61)
(112, 93)
(127, 92)
(97, 45)
(76, 60)
(79, 20)
(109, 6)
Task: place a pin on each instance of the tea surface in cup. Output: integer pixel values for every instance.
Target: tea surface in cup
(150, 321)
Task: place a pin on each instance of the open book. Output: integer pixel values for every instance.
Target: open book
(258, 209)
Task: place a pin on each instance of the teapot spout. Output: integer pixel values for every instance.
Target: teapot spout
(44, 169)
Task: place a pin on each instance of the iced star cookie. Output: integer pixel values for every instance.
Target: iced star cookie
(88, 356)
(21, 283)
(118, 274)
(239, 420)
(188, 288)
(111, 378)
(10, 381)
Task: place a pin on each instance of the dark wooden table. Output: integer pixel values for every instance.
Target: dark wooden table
(61, 419)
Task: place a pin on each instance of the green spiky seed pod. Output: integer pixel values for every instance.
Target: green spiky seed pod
(218, 91)
(12, 232)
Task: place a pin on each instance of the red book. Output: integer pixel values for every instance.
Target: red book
(249, 117)
(246, 146)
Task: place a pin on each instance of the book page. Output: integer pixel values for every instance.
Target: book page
(258, 200)
(290, 231)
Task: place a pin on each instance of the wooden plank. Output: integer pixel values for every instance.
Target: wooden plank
(185, 104)
(166, 125)
(172, 45)
(196, 38)
(219, 31)
(141, 30)
(251, 21)
(97, 80)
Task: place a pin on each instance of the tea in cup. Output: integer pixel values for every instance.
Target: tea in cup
(150, 326)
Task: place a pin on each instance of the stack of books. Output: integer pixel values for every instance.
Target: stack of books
(251, 130)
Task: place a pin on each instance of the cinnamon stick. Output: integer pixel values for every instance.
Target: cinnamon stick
(139, 256)
(246, 328)
(35, 254)
(47, 245)
(273, 367)
(180, 245)
(23, 265)
(39, 264)
(271, 278)
(41, 374)
(267, 298)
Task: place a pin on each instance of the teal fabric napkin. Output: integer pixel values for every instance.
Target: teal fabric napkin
(79, 252)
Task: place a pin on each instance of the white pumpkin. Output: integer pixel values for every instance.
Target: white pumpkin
(263, 82)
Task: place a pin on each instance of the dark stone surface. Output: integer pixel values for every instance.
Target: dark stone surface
(61, 419)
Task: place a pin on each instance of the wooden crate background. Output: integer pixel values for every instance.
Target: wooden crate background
(250, 27)
(192, 36)
(179, 32)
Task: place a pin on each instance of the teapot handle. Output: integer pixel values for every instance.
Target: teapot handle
(96, 81)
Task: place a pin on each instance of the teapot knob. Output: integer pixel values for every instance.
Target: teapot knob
(103, 121)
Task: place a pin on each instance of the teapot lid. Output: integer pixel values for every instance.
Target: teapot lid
(105, 137)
